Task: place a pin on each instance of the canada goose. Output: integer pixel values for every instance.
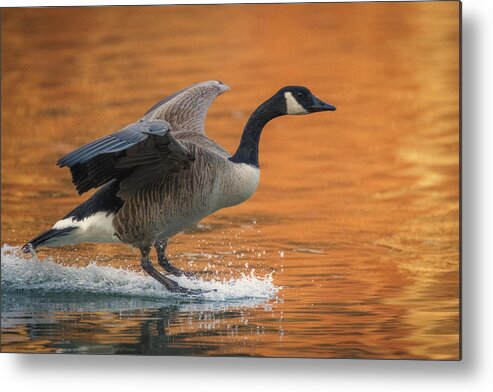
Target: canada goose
(160, 175)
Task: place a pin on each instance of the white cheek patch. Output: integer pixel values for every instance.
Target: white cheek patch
(292, 105)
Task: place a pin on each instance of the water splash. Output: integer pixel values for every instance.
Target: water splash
(33, 274)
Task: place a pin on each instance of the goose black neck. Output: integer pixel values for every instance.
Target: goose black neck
(247, 151)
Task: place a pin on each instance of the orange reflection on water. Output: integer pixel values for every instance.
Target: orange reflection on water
(362, 202)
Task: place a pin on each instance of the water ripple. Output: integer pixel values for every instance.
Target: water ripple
(34, 274)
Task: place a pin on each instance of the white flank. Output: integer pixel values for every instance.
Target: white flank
(292, 105)
(94, 228)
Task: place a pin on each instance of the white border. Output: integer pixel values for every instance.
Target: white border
(95, 373)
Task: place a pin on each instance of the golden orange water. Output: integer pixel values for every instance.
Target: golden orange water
(357, 212)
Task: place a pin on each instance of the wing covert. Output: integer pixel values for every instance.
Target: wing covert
(186, 109)
(135, 155)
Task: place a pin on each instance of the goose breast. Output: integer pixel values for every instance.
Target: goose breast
(238, 182)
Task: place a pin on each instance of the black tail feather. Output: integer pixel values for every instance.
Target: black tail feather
(44, 237)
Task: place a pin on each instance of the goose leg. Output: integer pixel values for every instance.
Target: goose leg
(163, 261)
(170, 285)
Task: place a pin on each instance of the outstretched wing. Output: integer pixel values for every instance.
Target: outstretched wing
(186, 109)
(136, 155)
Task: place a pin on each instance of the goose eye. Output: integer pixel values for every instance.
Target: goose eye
(301, 95)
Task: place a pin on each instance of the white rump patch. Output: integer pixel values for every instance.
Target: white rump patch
(292, 105)
(94, 228)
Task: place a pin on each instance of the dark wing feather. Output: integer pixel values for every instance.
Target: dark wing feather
(116, 142)
(136, 155)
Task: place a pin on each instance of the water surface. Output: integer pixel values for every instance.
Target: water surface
(349, 248)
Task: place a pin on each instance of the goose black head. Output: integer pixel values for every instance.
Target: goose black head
(288, 100)
(299, 100)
